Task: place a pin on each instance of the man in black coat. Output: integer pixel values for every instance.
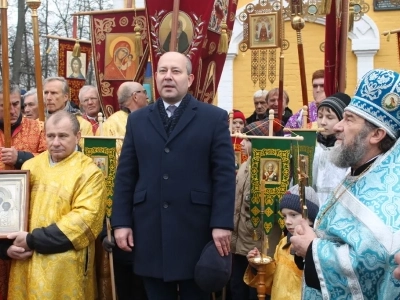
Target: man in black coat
(176, 182)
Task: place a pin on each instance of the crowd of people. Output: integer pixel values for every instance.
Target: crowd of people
(181, 222)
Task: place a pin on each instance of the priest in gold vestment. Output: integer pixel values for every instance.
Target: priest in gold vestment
(55, 259)
(27, 140)
(131, 96)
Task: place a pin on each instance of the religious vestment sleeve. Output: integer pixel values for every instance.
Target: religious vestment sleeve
(4, 245)
(310, 273)
(22, 157)
(48, 240)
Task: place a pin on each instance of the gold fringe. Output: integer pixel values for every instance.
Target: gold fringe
(76, 52)
(388, 36)
(223, 40)
(351, 20)
(138, 41)
(325, 7)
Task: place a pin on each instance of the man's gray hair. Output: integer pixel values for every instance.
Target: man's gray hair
(188, 65)
(31, 92)
(59, 115)
(14, 88)
(65, 87)
(124, 94)
(260, 93)
(85, 89)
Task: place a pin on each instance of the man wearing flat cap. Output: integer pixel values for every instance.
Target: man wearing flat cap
(350, 253)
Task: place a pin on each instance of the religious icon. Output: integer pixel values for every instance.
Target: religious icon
(219, 14)
(264, 31)
(270, 170)
(184, 32)
(121, 62)
(14, 197)
(391, 102)
(76, 66)
(102, 163)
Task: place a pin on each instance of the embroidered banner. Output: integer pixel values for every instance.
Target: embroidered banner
(199, 31)
(103, 152)
(115, 59)
(212, 62)
(306, 148)
(269, 180)
(74, 69)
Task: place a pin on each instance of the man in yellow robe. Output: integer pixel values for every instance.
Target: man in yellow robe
(27, 140)
(55, 259)
(131, 96)
(56, 97)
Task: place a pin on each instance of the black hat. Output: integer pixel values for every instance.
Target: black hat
(337, 102)
(291, 200)
(212, 271)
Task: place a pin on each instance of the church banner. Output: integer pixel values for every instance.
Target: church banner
(198, 36)
(116, 58)
(103, 152)
(305, 148)
(212, 60)
(73, 69)
(269, 180)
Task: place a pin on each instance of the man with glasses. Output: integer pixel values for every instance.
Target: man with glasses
(319, 94)
(131, 96)
(90, 104)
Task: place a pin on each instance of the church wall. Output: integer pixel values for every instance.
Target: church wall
(313, 35)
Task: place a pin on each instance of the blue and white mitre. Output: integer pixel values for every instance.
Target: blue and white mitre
(377, 100)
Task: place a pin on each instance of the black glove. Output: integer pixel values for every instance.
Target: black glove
(107, 244)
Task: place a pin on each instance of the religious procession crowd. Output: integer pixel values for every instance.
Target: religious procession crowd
(181, 212)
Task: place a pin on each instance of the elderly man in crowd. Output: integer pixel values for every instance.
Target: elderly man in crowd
(55, 259)
(56, 97)
(31, 108)
(272, 103)
(351, 253)
(27, 136)
(260, 105)
(131, 97)
(90, 104)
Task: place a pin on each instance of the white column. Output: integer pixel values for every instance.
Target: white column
(365, 62)
(225, 87)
